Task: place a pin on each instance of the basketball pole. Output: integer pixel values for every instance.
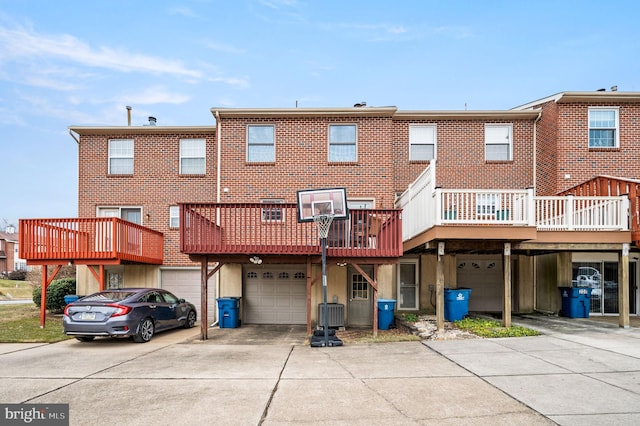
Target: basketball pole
(323, 242)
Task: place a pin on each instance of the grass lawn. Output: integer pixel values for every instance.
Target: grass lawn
(10, 289)
(20, 323)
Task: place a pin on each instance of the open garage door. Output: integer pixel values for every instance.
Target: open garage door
(275, 295)
(185, 283)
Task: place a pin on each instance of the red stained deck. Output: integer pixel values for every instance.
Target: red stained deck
(614, 186)
(88, 241)
(261, 228)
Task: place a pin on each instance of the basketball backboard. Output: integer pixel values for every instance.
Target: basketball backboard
(314, 202)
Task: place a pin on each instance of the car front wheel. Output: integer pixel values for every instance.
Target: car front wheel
(145, 331)
(191, 320)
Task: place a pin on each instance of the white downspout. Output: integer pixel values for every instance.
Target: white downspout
(218, 186)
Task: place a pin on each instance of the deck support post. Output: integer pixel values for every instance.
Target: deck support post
(440, 287)
(623, 287)
(506, 301)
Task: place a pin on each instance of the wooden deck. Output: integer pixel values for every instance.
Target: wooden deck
(88, 241)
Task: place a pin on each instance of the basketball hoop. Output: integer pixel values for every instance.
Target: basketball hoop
(324, 222)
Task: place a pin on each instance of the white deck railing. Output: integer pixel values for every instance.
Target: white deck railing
(424, 206)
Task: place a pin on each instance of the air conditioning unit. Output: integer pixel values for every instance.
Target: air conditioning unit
(335, 315)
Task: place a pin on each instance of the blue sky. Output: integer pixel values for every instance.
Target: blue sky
(68, 63)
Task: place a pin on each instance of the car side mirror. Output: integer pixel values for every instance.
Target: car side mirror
(181, 300)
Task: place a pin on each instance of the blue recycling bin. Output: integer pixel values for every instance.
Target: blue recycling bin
(576, 302)
(70, 298)
(228, 312)
(386, 313)
(456, 303)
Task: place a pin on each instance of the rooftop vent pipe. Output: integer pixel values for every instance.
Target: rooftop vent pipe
(128, 115)
(360, 105)
(152, 121)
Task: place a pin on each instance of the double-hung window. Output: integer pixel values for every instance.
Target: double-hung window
(192, 156)
(174, 216)
(603, 128)
(121, 157)
(498, 144)
(261, 146)
(422, 142)
(342, 143)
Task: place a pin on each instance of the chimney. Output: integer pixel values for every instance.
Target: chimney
(128, 115)
(152, 121)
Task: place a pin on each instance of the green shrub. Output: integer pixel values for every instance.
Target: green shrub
(411, 317)
(56, 292)
(18, 275)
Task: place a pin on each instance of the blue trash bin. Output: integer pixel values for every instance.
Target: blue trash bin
(229, 312)
(576, 302)
(386, 315)
(456, 303)
(70, 298)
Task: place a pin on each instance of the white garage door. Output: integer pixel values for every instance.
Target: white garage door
(275, 295)
(483, 275)
(185, 283)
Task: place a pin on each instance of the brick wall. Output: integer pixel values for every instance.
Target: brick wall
(576, 159)
(154, 186)
(301, 145)
(546, 147)
(461, 156)
(301, 142)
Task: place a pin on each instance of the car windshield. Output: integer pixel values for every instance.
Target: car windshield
(108, 296)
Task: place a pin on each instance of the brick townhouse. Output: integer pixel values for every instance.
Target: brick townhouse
(512, 204)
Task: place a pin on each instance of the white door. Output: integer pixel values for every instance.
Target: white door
(274, 295)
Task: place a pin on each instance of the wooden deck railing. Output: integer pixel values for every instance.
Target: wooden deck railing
(613, 186)
(89, 239)
(273, 228)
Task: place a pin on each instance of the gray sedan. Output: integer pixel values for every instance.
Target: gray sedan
(135, 312)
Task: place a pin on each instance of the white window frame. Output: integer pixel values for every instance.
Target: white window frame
(416, 264)
(261, 144)
(342, 143)
(197, 152)
(615, 128)
(361, 203)
(272, 214)
(174, 216)
(421, 135)
(491, 140)
(117, 211)
(121, 153)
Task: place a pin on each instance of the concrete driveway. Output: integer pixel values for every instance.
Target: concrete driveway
(177, 379)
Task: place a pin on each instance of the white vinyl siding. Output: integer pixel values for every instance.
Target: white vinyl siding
(192, 157)
(121, 157)
(498, 142)
(422, 142)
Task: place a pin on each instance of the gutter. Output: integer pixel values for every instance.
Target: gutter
(74, 137)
